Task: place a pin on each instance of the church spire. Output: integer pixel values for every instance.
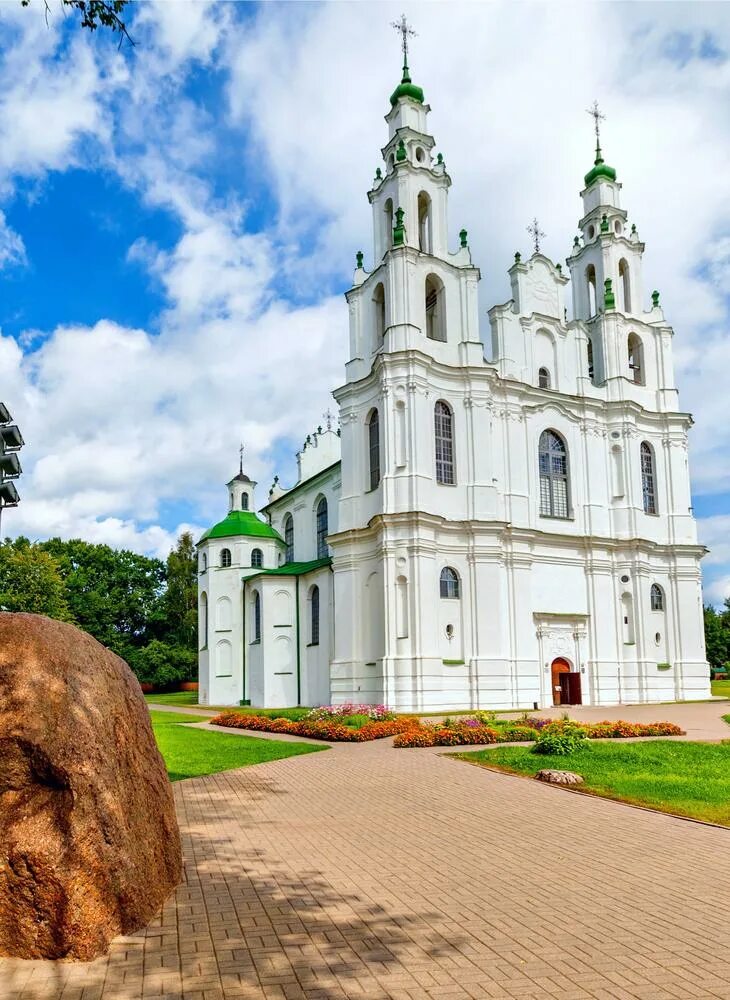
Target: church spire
(406, 88)
(599, 169)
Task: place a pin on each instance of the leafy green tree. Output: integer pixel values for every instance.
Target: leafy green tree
(94, 14)
(717, 637)
(163, 665)
(116, 595)
(181, 596)
(31, 580)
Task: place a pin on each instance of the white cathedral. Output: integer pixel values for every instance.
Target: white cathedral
(502, 533)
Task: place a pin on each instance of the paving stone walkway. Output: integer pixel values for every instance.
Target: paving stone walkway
(379, 874)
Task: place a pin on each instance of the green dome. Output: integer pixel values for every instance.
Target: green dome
(599, 169)
(406, 88)
(241, 523)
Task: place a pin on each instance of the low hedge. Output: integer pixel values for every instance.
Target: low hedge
(464, 734)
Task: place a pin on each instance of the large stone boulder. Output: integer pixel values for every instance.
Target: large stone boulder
(89, 843)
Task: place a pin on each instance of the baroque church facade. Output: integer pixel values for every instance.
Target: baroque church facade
(507, 532)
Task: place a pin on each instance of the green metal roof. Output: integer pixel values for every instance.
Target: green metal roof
(296, 568)
(241, 523)
(599, 169)
(406, 88)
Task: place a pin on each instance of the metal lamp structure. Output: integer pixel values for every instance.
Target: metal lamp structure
(11, 441)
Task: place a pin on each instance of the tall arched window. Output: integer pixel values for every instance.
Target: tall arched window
(636, 359)
(657, 597)
(624, 285)
(225, 557)
(374, 448)
(289, 538)
(543, 378)
(648, 478)
(244, 501)
(388, 212)
(322, 551)
(591, 290)
(554, 487)
(424, 223)
(379, 314)
(203, 562)
(257, 558)
(591, 369)
(256, 616)
(314, 616)
(435, 320)
(444, 441)
(449, 583)
(203, 623)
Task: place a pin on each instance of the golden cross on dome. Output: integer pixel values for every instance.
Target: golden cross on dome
(405, 30)
(536, 233)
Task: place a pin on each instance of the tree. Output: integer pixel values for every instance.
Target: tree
(31, 580)
(181, 596)
(95, 14)
(717, 637)
(163, 665)
(116, 595)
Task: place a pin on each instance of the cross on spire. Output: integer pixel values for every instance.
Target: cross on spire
(405, 30)
(536, 233)
(597, 117)
(240, 455)
(329, 417)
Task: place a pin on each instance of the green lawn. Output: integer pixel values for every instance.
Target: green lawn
(691, 779)
(721, 688)
(186, 698)
(189, 753)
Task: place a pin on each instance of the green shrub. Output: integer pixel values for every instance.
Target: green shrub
(560, 738)
(356, 721)
(163, 665)
(486, 718)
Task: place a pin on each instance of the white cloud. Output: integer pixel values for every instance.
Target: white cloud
(12, 248)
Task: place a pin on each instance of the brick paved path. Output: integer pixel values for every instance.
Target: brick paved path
(368, 872)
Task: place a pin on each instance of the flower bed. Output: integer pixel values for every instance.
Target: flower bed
(379, 713)
(318, 729)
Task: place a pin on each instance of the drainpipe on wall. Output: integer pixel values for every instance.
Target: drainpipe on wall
(299, 647)
(244, 701)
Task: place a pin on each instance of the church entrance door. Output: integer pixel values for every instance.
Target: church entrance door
(559, 666)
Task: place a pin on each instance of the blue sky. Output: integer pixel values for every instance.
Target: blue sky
(179, 220)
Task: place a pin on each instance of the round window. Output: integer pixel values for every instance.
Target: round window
(420, 155)
(624, 579)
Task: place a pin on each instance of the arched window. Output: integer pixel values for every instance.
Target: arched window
(374, 448)
(225, 557)
(648, 478)
(289, 538)
(591, 290)
(244, 501)
(554, 487)
(591, 369)
(388, 211)
(314, 616)
(449, 583)
(435, 324)
(379, 314)
(257, 558)
(543, 378)
(203, 562)
(657, 597)
(624, 285)
(256, 616)
(636, 359)
(203, 623)
(322, 551)
(444, 441)
(424, 223)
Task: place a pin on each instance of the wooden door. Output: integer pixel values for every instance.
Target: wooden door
(575, 696)
(560, 666)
